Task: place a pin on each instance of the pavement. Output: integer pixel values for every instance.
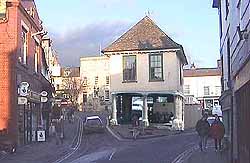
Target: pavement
(125, 132)
(154, 145)
(41, 152)
(210, 156)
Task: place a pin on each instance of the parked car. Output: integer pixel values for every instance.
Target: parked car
(93, 124)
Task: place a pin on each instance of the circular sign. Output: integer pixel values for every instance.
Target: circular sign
(24, 89)
(44, 93)
(24, 84)
(44, 99)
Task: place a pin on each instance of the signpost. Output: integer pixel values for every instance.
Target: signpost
(40, 136)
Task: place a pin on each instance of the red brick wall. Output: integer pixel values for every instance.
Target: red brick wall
(8, 42)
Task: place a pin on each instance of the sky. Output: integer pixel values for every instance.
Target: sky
(82, 27)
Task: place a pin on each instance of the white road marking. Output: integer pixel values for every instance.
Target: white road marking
(112, 133)
(112, 154)
(79, 141)
(184, 155)
(90, 158)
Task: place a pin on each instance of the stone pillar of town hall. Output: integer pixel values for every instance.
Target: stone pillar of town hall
(114, 111)
(178, 123)
(145, 112)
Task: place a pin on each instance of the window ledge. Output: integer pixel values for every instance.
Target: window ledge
(130, 81)
(156, 80)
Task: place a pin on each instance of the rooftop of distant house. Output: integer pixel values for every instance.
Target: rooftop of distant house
(198, 72)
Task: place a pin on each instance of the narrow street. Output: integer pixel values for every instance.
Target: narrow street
(102, 148)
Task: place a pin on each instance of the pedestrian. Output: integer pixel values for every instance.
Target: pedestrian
(202, 128)
(217, 132)
(59, 131)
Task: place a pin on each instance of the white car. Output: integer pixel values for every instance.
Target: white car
(93, 124)
(217, 110)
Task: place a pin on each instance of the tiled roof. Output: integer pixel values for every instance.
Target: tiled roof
(145, 35)
(198, 72)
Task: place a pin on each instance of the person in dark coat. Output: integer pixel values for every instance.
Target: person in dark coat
(202, 128)
(217, 132)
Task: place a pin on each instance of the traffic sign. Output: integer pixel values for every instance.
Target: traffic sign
(40, 136)
(44, 93)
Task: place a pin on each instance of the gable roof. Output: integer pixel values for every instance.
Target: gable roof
(145, 35)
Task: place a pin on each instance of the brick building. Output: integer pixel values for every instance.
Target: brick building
(22, 61)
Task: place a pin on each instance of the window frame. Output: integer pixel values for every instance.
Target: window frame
(150, 70)
(107, 80)
(3, 15)
(36, 56)
(123, 69)
(24, 50)
(106, 92)
(186, 90)
(96, 80)
(205, 91)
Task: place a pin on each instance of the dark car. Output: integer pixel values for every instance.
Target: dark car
(93, 124)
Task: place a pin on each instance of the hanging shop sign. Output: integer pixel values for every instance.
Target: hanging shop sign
(22, 100)
(34, 96)
(24, 89)
(44, 93)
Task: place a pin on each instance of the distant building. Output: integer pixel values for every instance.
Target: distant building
(146, 63)
(203, 86)
(68, 85)
(23, 72)
(95, 74)
(234, 17)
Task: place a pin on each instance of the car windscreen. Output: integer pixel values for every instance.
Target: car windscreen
(93, 122)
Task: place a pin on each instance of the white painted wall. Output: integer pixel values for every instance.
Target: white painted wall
(171, 74)
(91, 67)
(197, 85)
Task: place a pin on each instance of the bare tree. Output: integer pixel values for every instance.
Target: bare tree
(73, 87)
